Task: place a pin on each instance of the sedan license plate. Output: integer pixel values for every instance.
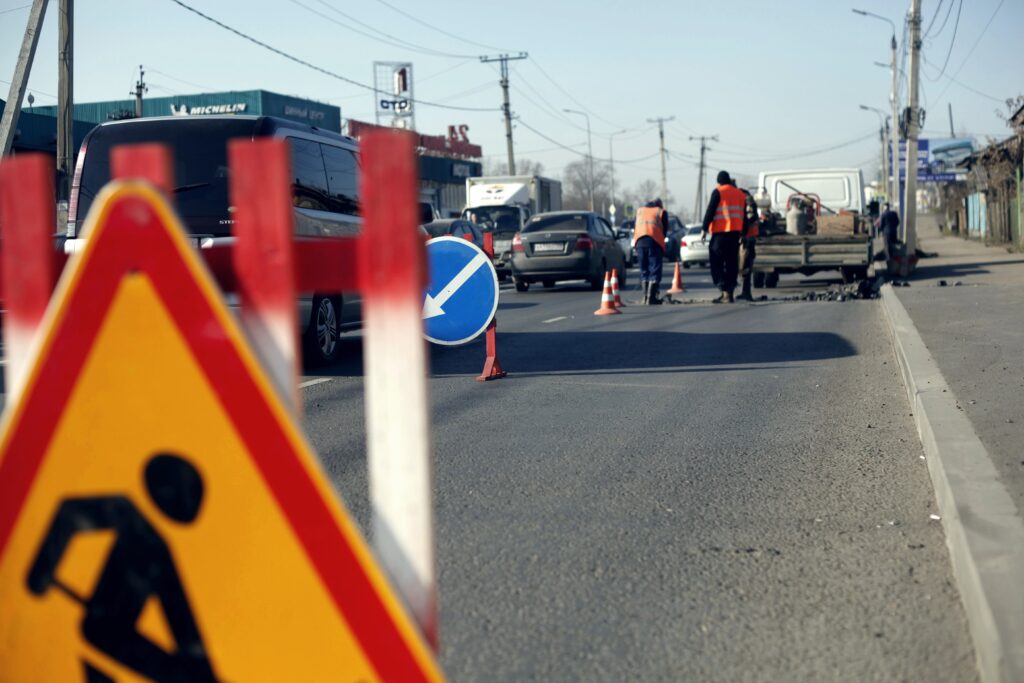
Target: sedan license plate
(548, 247)
(502, 245)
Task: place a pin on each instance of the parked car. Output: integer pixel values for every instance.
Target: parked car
(625, 241)
(456, 227)
(627, 227)
(565, 245)
(676, 230)
(325, 194)
(692, 250)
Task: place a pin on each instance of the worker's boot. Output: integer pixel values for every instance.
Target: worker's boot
(723, 298)
(745, 294)
(729, 296)
(654, 299)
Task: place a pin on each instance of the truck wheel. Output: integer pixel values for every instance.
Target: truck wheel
(771, 280)
(520, 284)
(686, 264)
(759, 280)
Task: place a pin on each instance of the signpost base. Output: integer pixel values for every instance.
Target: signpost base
(492, 366)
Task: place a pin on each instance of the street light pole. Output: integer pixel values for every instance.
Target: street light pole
(895, 167)
(611, 168)
(883, 129)
(590, 153)
(914, 120)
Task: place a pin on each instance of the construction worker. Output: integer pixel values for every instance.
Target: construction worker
(725, 219)
(748, 252)
(649, 241)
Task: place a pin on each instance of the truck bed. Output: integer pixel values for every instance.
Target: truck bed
(782, 253)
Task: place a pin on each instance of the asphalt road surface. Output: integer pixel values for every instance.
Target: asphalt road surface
(689, 492)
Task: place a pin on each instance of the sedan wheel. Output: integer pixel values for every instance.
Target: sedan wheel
(321, 338)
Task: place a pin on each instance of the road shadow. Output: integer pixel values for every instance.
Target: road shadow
(510, 306)
(611, 352)
(926, 270)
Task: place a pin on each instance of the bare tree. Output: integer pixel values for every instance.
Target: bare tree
(523, 167)
(645, 191)
(576, 185)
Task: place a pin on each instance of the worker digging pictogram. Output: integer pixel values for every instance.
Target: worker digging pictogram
(139, 566)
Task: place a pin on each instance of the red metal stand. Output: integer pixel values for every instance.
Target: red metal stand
(492, 366)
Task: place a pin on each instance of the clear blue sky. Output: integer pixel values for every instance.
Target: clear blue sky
(768, 78)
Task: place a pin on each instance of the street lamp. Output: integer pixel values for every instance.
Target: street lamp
(590, 153)
(883, 135)
(611, 167)
(894, 105)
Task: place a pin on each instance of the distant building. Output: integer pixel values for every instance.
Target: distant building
(250, 102)
(38, 132)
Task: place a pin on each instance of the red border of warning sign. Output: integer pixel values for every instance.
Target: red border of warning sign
(123, 240)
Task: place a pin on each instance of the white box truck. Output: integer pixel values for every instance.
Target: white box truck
(503, 204)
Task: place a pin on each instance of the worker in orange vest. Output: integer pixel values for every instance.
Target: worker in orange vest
(748, 251)
(725, 219)
(649, 240)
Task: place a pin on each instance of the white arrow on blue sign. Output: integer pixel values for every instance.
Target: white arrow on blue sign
(462, 296)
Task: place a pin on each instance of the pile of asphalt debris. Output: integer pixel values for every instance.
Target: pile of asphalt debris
(865, 289)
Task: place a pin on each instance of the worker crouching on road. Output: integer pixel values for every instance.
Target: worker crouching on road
(725, 218)
(748, 250)
(649, 241)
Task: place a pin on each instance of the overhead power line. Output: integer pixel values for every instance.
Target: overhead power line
(314, 67)
(938, 8)
(421, 22)
(15, 9)
(952, 42)
(381, 36)
(569, 95)
(971, 51)
(798, 155)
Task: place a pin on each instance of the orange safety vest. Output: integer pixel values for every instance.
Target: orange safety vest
(648, 224)
(732, 207)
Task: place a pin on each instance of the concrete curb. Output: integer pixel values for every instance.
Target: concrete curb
(984, 532)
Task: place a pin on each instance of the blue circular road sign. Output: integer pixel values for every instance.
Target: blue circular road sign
(462, 296)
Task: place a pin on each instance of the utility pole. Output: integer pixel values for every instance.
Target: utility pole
(894, 141)
(140, 88)
(65, 102)
(914, 120)
(504, 59)
(15, 96)
(699, 202)
(661, 121)
(611, 168)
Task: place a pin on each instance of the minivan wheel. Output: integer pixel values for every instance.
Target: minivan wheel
(520, 284)
(321, 338)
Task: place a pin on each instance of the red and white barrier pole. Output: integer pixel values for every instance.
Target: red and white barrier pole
(27, 223)
(392, 281)
(264, 257)
(492, 366)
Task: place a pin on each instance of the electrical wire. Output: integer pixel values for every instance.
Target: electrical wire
(314, 67)
(938, 8)
(963, 85)
(461, 39)
(971, 51)
(796, 155)
(386, 38)
(565, 92)
(32, 90)
(15, 9)
(179, 80)
(952, 42)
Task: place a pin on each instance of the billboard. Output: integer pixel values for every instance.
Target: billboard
(938, 159)
(393, 98)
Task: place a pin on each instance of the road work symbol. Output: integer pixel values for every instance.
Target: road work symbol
(139, 566)
(462, 295)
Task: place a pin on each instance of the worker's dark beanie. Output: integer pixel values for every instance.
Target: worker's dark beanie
(723, 178)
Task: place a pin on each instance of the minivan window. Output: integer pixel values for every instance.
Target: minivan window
(199, 151)
(309, 190)
(342, 179)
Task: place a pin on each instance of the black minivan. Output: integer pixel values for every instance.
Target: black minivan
(325, 194)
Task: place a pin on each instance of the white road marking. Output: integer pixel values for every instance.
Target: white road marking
(313, 382)
(555, 320)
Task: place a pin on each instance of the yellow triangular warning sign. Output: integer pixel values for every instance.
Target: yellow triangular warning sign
(146, 418)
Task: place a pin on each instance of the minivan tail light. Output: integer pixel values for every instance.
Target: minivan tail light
(517, 243)
(76, 183)
(584, 243)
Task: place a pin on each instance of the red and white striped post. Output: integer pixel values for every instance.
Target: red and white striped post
(27, 223)
(264, 258)
(492, 366)
(392, 281)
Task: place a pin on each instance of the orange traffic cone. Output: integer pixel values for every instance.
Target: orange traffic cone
(607, 300)
(615, 289)
(677, 281)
